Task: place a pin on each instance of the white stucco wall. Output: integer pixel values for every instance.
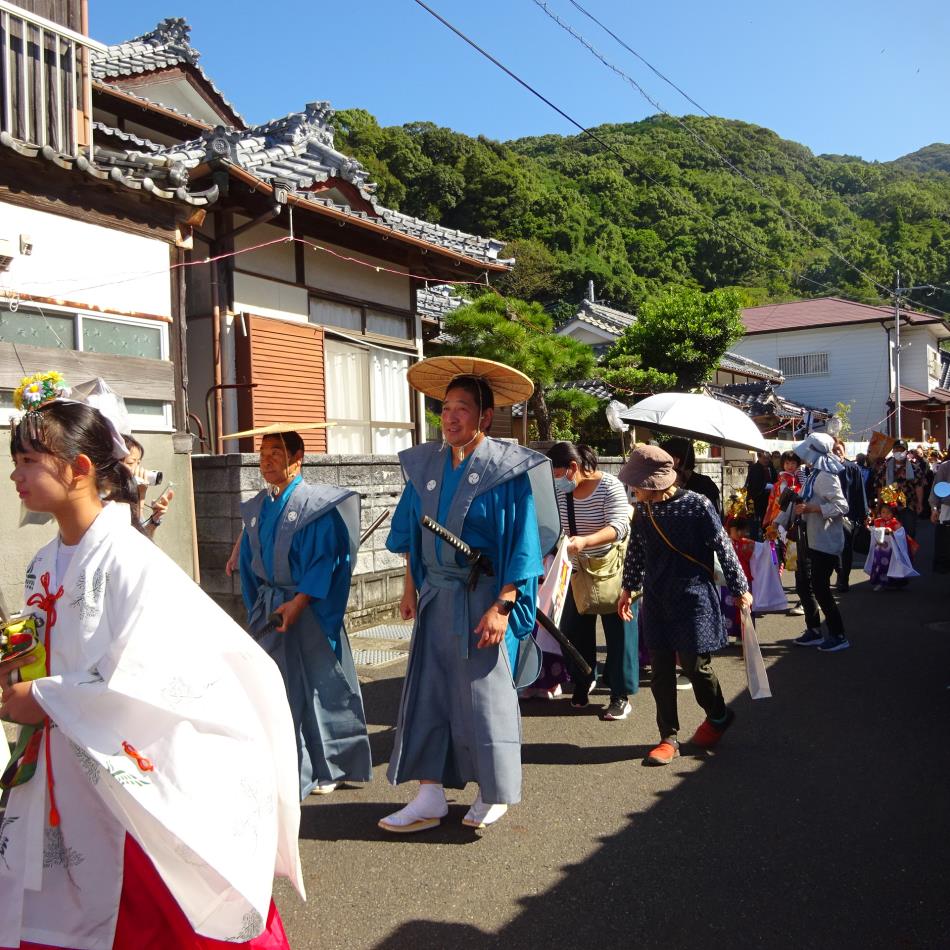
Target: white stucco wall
(858, 367)
(96, 267)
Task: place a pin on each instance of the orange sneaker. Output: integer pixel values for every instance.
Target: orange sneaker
(709, 733)
(664, 753)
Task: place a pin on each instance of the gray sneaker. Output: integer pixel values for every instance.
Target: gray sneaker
(619, 708)
(798, 611)
(810, 638)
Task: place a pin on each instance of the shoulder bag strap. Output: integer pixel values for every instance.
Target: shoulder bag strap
(571, 523)
(672, 546)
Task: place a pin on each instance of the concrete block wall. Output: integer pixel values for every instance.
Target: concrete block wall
(223, 482)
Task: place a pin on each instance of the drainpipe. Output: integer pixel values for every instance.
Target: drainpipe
(217, 423)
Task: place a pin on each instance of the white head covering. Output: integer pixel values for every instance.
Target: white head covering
(816, 451)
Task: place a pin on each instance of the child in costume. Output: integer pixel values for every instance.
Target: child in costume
(154, 785)
(889, 562)
(740, 530)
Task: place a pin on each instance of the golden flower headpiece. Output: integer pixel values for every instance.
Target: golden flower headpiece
(38, 389)
(891, 495)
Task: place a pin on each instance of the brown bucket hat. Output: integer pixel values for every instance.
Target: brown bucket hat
(648, 468)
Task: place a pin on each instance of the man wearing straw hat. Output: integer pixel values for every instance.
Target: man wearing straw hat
(472, 647)
(296, 557)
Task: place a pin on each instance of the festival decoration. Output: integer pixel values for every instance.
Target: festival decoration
(891, 495)
(40, 388)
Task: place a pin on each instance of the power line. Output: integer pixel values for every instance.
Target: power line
(541, 4)
(629, 163)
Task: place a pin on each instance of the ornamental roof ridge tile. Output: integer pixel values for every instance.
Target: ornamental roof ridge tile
(166, 46)
(299, 147)
(94, 171)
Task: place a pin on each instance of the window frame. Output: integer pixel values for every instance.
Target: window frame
(140, 422)
(371, 424)
(803, 358)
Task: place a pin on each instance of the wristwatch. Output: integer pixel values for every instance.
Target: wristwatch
(504, 606)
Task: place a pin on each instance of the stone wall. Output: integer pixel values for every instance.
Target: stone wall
(222, 482)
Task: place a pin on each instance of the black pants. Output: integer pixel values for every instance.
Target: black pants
(813, 585)
(846, 557)
(621, 668)
(706, 689)
(908, 519)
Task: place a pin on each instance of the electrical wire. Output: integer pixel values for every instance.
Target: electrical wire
(542, 5)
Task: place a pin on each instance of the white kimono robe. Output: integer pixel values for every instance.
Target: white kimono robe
(140, 655)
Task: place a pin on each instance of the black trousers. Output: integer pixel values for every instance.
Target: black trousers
(908, 519)
(813, 585)
(846, 557)
(621, 668)
(706, 688)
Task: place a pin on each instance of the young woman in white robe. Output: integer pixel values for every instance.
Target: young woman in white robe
(164, 798)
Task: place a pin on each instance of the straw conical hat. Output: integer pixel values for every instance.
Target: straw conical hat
(277, 428)
(432, 377)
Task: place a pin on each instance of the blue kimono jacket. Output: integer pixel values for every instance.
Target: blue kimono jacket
(459, 718)
(305, 542)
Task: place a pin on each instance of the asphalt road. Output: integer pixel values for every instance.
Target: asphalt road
(821, 820)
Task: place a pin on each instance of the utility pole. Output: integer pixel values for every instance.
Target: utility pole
(898, 293)
(897, 353)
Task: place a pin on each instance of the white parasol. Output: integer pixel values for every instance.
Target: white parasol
(697, 417)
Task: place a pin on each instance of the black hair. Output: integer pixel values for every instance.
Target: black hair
(132, 443)
(476, 387)
(791, 457)
(681, 449)
(292, 441)
(742, 525)
(562, 454)
(66, 430)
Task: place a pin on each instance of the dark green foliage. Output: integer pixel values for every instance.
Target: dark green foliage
(676, 343)
(674, 215)
(521, 334)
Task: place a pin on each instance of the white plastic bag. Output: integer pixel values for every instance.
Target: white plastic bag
(754, 664)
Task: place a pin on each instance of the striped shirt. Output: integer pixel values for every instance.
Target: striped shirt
(606, 505)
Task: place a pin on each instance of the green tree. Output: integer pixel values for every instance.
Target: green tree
(521, 334)
(676, 342)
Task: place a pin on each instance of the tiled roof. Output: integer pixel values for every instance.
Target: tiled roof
(297, 152)
(822, 312)
(187, 117)
(100, 129)
(593, 387)
(915, 395)
(736, 363)
(166, 47)
(604, 318)
(435, 301)
(140, 175)
(760, 399)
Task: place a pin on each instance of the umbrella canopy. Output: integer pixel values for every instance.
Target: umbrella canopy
(697, 417)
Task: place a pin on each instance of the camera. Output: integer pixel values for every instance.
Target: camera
(789, 497)
(151, 478)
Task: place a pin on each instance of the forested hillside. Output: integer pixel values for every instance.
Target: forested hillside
(668, 211)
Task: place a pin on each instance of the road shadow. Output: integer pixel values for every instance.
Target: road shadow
(821, 821)
(341, 820)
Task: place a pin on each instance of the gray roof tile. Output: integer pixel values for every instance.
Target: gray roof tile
(165, 47)
(299, 148)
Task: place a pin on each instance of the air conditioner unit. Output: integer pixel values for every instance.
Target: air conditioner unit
(7, 251)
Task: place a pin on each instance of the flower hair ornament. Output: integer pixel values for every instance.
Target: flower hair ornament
(40, 389)
(891, 495)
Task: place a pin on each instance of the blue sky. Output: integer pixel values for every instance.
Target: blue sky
(865, 78)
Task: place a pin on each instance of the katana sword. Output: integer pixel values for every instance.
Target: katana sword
(481, 564)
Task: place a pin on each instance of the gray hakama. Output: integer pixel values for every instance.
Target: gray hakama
(459, 720)
(315, 534)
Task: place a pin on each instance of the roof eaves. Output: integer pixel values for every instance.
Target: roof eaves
(93, 171)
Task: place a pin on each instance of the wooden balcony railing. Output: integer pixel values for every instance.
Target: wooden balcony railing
(45, 81)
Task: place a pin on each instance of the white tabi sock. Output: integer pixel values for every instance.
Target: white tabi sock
(429, 803)
(481, 815)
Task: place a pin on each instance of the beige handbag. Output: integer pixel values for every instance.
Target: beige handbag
(598, 579)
